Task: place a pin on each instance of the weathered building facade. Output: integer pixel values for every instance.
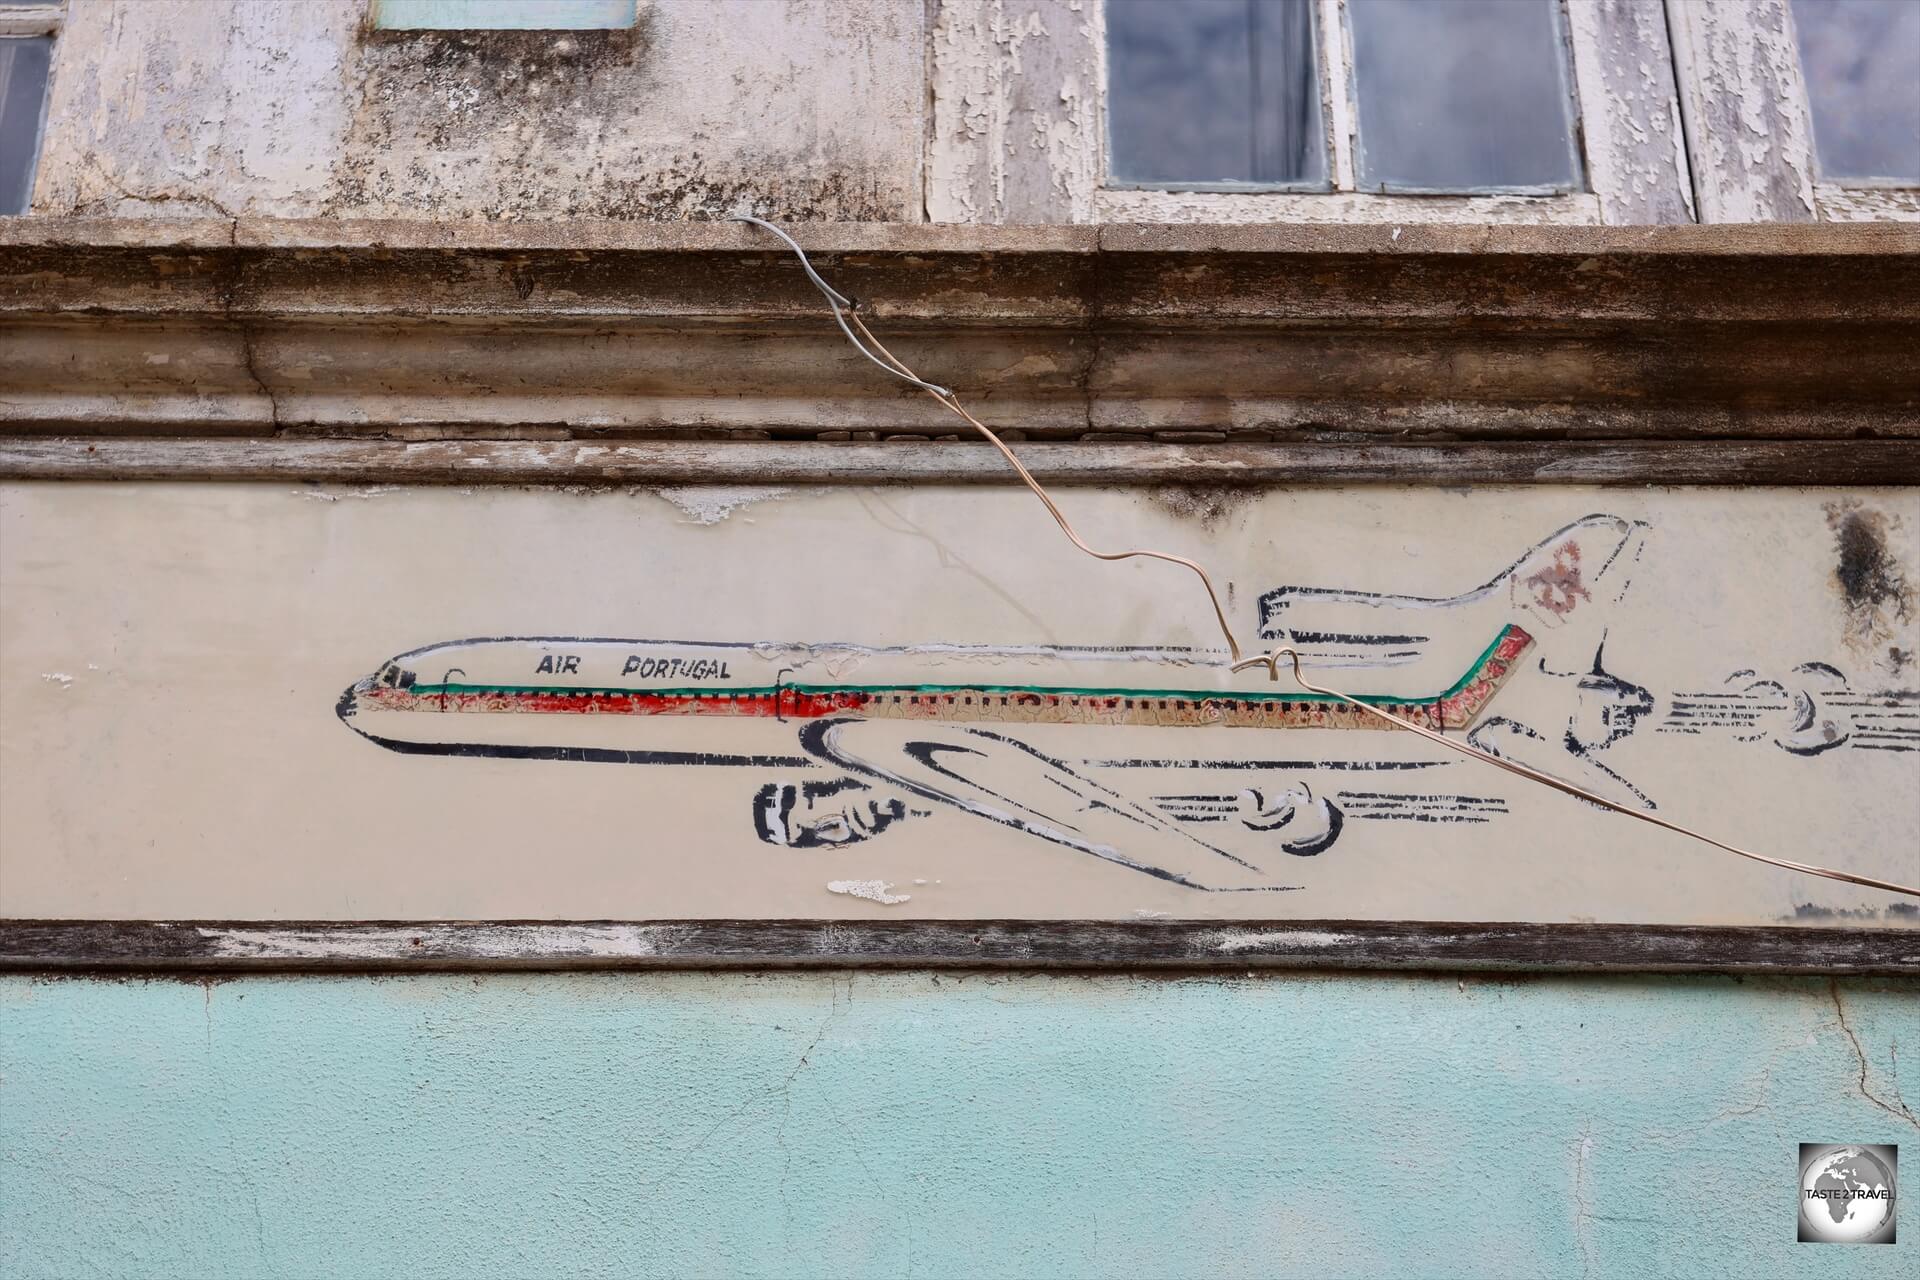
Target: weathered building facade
(840, 874)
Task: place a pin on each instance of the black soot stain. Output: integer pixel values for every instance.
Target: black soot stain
(1872, 582)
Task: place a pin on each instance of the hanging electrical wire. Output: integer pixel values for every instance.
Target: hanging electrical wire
(886, 360)
(869, 346)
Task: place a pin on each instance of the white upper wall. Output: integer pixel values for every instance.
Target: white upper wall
(847, 110)
(797, 109)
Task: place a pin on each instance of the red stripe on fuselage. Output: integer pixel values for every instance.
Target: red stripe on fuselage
(594, 702)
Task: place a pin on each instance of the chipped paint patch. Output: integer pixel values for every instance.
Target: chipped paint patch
(1852, 204)
(60, 678)
(710, 504)
(1231, 941)
(1016, 112)
(335, 495)
(577, 942)
(1575, 209)
(872, 890)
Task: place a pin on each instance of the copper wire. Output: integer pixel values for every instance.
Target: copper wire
(850, 321)
(952, 402)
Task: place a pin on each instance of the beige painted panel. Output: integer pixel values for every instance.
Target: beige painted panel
(175, 659)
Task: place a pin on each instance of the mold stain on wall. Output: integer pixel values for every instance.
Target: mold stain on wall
(1875, 588)
(547, 112)
(1208, 505)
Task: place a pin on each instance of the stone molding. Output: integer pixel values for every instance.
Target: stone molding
(1189, 335)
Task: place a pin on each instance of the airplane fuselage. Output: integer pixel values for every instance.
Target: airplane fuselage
(439, 692)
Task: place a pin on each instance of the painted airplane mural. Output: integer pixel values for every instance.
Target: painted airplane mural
(880, 736)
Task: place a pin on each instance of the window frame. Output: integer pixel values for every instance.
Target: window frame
(1340, 120)
(1739, 60)
(1018, 128)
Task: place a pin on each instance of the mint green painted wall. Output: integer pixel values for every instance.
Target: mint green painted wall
(912, 1124)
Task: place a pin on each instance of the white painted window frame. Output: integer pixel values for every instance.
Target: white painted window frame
(1750, 124)
(1018, 127)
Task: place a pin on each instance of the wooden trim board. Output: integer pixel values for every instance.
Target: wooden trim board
(469, 462)
(253, 946)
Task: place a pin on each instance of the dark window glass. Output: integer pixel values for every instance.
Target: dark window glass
(1462, 95)
(1214, 92)
(1862, 61)
(23, 88)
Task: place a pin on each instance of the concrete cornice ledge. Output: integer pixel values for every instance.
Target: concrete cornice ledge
(1413, 239)
(1335, 335)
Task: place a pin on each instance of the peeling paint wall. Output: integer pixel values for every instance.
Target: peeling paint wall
(838, 110)
(1017, 111)
(841, 1125)
(804, 109)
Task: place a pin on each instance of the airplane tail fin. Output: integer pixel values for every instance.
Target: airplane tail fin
(1589, 562)
(1581, 567)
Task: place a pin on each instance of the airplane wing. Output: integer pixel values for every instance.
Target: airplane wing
(1564, 759)
(998, 778)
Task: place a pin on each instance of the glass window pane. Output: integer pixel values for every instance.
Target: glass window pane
(502, 15)
(1462, 95)
(1214, 92)
(23, 90)
(1862, 61)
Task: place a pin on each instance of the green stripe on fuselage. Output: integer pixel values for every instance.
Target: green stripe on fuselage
(827, 690)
